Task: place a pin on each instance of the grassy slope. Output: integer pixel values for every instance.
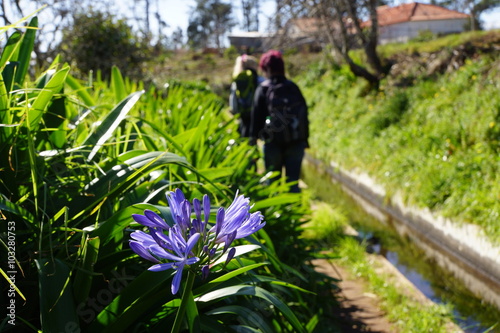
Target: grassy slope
(431, 133)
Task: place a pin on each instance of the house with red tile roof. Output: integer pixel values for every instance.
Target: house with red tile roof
(396, 24)
(404, 22)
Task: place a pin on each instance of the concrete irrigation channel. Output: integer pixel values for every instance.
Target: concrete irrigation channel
(459, 248)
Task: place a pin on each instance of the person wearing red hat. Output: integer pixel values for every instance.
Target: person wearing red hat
(279, 118)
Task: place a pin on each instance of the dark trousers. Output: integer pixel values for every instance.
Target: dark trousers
(289, 156)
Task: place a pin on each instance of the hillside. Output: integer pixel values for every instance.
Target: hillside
(431, 133)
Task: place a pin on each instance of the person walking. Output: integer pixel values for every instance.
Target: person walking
(279, 117)
(245, 81)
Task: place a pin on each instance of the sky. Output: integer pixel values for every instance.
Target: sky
(176, 13)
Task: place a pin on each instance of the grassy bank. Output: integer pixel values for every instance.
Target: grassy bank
(434, 136)
(406, 311)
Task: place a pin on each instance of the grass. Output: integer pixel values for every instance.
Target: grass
(438, 43)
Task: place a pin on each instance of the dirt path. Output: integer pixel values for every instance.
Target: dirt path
(359, 310)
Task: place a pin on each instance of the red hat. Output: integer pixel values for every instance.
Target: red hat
(272, 60)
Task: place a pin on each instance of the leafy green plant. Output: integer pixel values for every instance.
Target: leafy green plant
(83, 156)
(326, 225)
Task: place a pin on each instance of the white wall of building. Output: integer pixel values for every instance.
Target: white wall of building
(403, 32)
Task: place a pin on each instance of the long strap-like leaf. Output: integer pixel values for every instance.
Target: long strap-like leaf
(255, 292)
(10, 48)
(110, 123)
(53, 86)
(25, 51)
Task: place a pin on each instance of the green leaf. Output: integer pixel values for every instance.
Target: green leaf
(55, 122)
(8, 74)
(10, 48)
(133, 302)
(166, 136)
(245, 329)
(57, 309)
(26, 50)
(115, 224)
(110, 123)
(118, 84)
(282, 199)
(122, 176)
(5, 113)
(19, 211)
(81, 91)
(240, 250)
(216, 173)
(311, 325)
(192, 315)
(272, 280)
(83, 278)
(236, 272)
(226, 277)
(255, 292)
(11, 282)
(53, 86)
(246, 315)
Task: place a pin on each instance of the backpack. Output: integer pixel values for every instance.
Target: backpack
(246, 83)
(287, 120)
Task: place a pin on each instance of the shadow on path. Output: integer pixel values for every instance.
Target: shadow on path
(358, 310)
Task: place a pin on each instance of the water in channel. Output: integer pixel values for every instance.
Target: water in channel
(470, 313)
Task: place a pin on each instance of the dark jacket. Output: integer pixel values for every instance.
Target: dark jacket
(260, 108)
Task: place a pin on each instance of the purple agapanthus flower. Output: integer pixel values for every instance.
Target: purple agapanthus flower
(150, 219)
(236, 222)
(180, 252)
(141, 243)
(178, 246)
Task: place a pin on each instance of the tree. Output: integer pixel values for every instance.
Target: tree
(55, 16)
(472, 7)
(197, 31)
(177, 38)
(345, 24)
(251, 10)
(209, 23)
(98, 41)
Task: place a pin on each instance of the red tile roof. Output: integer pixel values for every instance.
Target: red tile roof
(415, 12)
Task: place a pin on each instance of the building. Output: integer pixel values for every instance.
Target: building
(404, 22)
(249, 42)
(298, 33)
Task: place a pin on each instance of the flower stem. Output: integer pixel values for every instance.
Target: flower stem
(186, 293)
